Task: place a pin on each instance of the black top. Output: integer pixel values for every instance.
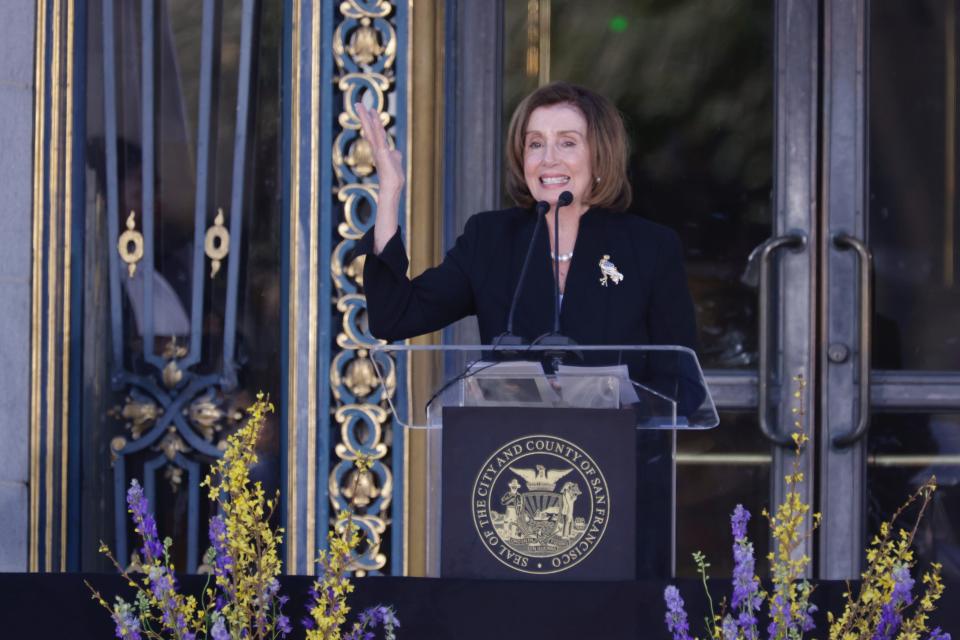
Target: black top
(650, 305)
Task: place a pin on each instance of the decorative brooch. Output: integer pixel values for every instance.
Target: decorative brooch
(609, 271)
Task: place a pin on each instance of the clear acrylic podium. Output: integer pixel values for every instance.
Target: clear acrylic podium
(662, 386)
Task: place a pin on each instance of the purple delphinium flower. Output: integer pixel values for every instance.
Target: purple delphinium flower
(902, 586)
(219, 630)
(283, 625)
(806, 618)
(744, 586)
(332, 601)
(218, 539)
(748, 623)
(779, 608)
(902, 595)
(938, 634)
(746, 589)
(676, 617)
(380, 616)
(738, 522)
(161, 586)
(146, 524)
(729, 628)
(889, 622)
(372, 617)
(356, 633)
(164, 589)
(273, 588)
(128, 625)
(271, 593)
(312, 603)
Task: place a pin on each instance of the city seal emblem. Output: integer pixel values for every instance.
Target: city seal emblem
(540, 504)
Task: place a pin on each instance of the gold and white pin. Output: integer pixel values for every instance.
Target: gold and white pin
(609, 271)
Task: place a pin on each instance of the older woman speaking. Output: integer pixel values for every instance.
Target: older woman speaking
(620, 279)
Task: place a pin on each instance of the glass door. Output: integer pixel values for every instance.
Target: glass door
(720, 101)
(890, 317)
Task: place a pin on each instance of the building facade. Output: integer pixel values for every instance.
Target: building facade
(186, 183)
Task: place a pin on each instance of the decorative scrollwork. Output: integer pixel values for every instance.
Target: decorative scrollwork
(209, 415)
(351, 383)
(171, 445)
(364, 50)
(353, 197)
(361, 377)
(172, 374)
(365, 45)
(173, 350)
(216, 243)
(140, 415)
(205, 416)
(117, 445)
(361, 9)
(365, 40)
(130, 245)
(174, 475)
(360, 488)
(371, 529)
(352, 157)
(360, 157)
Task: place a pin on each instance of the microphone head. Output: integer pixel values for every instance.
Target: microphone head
(565, 198)
(542, 207)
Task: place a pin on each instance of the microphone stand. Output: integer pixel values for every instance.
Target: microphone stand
(507, 338)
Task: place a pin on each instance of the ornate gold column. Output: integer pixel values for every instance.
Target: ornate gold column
(50, 304)
(424, 239)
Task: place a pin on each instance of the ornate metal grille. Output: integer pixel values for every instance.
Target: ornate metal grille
(365, 46)
(176, 286)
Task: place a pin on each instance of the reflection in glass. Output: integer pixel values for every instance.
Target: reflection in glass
(119, 401)
(913, 221)
(694, 83)
(714, 474)
(904, 451)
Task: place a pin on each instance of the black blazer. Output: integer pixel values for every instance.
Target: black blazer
(651, 305)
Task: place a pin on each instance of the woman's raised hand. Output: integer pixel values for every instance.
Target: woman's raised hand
(389, 161)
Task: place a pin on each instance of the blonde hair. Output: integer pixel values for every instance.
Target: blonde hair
(606, 137)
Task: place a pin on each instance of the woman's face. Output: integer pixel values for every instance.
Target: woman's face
(556, 156)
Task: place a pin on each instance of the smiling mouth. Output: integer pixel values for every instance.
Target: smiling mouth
(555, 180)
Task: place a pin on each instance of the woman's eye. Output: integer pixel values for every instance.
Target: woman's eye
(534, 145)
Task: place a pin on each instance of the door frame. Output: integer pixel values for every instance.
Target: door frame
(472, 179)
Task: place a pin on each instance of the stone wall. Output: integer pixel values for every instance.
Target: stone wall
(16, 180)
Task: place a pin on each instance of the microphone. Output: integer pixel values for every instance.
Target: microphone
(555, 356)
(507, 338)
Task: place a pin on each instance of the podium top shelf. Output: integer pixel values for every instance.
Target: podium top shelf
(536, 348)
(662, 384)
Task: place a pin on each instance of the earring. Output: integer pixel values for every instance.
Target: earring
(597, 179)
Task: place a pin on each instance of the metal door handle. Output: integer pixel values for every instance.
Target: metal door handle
(794, 241)
(844, 240)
